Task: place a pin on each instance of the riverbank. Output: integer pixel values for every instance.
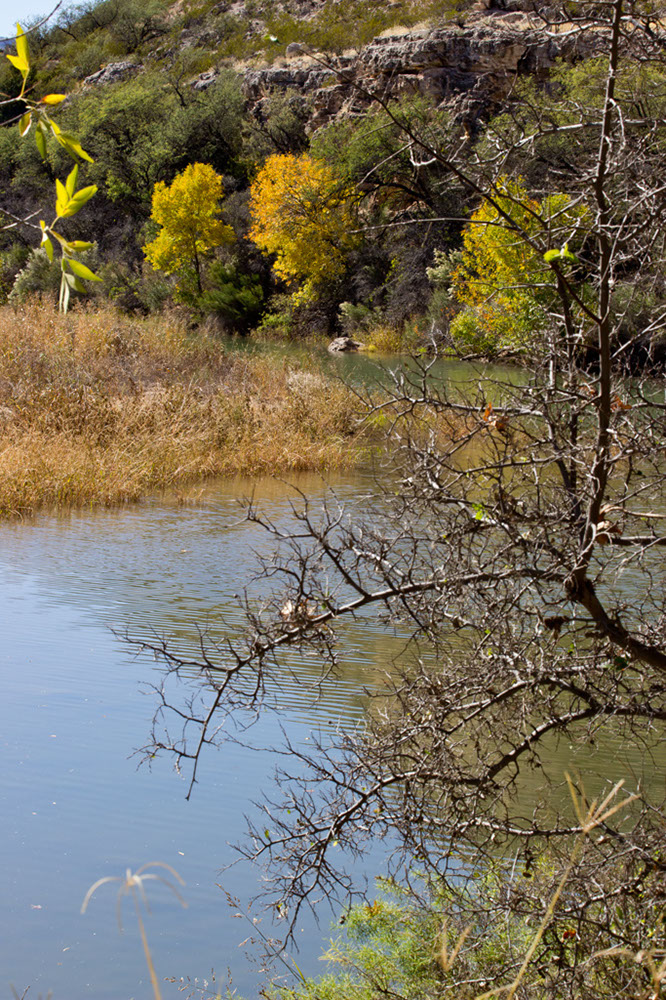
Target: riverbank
(101, 408)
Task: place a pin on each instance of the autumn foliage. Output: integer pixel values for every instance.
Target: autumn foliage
(303, 215)
(503, 280)
(187, 211)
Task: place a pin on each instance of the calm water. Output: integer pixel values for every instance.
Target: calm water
(75, 705)
(76, 702)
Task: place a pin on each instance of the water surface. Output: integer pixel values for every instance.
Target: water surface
(77, 702)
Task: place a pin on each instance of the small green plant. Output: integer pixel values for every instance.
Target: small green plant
(473, 946)
(132, 884)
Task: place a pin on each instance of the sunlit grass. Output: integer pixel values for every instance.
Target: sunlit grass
(98, 408)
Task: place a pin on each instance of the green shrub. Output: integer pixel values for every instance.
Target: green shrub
(40, 276)
(236, 298)
(279, 321)
(12, 260)
(130, 290)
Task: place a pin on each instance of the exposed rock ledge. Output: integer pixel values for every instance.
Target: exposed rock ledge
(480, 59)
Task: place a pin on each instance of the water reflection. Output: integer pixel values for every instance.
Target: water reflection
(75, 705)
(73, 710)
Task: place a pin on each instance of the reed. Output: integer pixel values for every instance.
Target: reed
(99, 408)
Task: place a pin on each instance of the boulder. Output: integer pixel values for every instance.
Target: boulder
(341, 344)
(205, 80)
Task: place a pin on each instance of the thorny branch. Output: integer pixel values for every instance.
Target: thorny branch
(511, 537)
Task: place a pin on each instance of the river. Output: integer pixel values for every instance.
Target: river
(77, 702)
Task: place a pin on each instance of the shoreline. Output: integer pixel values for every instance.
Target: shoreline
(97, 408)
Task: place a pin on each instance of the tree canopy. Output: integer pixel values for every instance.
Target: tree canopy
(502, 277)
(187, 211)
(303, 215)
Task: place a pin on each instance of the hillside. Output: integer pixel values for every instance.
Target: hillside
(154, 87)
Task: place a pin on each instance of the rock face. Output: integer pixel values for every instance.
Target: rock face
(479, 59)
(112, 73)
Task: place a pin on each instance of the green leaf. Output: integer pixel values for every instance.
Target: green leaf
(70, 183)
(76, 246)
(63, 301)
(70, 143)
(40, 140)
(61, 240)
(81, 197)
(46, 242)
(563, 254)
(73, 281)
(25, 123)
(62, 199)
(67, 206)
(81, 270)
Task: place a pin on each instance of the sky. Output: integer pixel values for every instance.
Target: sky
(22, 11)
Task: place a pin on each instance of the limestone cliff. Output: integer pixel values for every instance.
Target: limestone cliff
(478, 60)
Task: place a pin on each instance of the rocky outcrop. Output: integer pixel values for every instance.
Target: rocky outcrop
(479, 59)
(342, 344)
(112, 73)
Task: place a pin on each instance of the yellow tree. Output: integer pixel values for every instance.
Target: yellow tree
(187, 211)
(503, 279)
(302, 214)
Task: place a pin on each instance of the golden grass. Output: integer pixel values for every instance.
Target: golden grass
(98, 408)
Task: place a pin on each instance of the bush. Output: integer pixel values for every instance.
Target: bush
(11, 261)
(40, 276)
(236, 298)
(279, 321)
(144, 291)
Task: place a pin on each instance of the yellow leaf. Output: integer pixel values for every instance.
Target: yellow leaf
(53, 98)
(22, 45)
(21, 65)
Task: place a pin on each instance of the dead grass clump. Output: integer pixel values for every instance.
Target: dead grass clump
(100, 408)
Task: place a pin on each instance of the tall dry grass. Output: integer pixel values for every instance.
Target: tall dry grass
(98, 408)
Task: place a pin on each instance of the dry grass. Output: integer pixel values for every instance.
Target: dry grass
(97, 408)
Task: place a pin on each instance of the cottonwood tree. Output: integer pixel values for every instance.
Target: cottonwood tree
(187, 212)
(304, 216)
(519, 535)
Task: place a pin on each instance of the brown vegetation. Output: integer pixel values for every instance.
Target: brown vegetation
(99, 408)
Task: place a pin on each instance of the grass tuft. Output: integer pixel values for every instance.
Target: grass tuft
(100, 408)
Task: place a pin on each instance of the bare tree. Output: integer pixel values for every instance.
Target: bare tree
(518, 533)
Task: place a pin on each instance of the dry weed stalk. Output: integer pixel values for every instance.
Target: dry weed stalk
(131, 883)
